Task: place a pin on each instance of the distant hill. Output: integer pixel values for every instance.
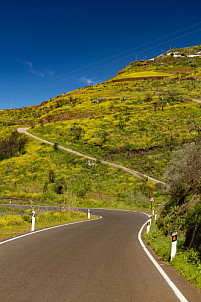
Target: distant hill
(176, 67)
(148, 106)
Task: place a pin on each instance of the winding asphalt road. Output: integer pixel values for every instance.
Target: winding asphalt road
(99, 260)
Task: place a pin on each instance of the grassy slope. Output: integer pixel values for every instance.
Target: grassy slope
(29, 176)
(135, 123)
(128, 120)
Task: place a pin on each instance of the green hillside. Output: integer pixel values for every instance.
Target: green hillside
(136, 119)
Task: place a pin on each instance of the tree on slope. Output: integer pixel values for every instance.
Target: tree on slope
(183, 211)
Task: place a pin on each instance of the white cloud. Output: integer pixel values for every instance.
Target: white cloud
(87, 81)
(29, 64)
(34, 71)
(37, 73)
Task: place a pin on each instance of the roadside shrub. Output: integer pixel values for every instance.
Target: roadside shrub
(60, 185)
(183, 173)
(27, 218)
(55, 146)
(10, 220)
(52, 176)
(183, 211)
(159, 242)
(193, 235)
(12, 145)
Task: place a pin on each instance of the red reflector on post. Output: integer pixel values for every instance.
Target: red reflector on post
(174, 237)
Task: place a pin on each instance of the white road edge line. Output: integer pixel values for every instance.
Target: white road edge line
(46, 229)
(161, 271)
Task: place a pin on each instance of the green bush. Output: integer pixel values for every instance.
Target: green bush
(12, 145)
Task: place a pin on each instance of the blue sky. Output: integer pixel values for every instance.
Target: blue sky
(51, 47)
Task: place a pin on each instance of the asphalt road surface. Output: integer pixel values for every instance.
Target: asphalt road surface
(100, 260)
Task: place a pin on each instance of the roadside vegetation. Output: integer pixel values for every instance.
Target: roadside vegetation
(186, 262)
(16, 221)
(181, 213)
(12, 145)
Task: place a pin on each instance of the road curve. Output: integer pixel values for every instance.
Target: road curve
(100, 260)
(138, 174)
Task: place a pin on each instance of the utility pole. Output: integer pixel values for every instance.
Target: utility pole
(11, 104)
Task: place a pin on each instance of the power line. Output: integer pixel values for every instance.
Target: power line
(131, 49)
(83, 68)
(144, 50)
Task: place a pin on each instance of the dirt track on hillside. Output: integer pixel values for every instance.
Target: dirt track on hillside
(138, 174)
(197, 101)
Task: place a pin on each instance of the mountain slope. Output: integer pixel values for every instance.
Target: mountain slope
(135, 119)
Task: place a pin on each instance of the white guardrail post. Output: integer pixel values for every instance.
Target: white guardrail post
(33, 222)
(174, 245)
(148, 226)
(89, 214)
